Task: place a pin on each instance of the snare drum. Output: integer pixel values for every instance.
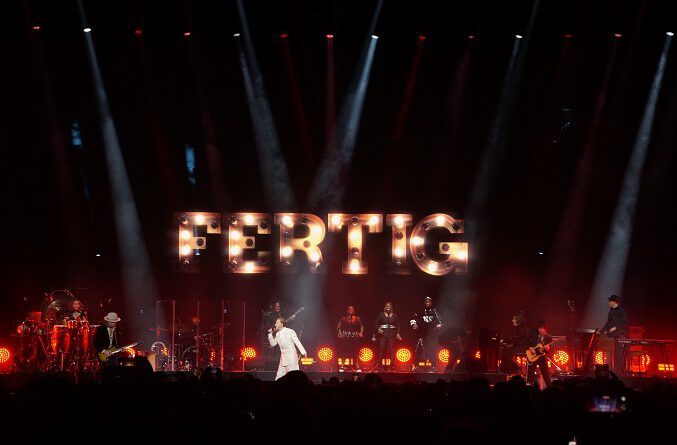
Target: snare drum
(61, 339)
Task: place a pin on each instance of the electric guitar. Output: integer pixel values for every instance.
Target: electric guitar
(540, 351)
(106, 354)
(301, 309)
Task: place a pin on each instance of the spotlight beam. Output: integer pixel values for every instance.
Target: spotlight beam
(138, 283)
(611, 270)
(329, 185)
(560, 269)
(456, 296)
(277, 186)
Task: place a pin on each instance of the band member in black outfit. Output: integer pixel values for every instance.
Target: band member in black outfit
(273, 314)
(516, 342)
(456, 340)
(617, 327)
(539, 336)
(426, 322)
(350, 331)
(107, 335)
(388, 330)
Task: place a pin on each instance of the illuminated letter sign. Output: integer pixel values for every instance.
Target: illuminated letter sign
(430, 245)
(313, 233)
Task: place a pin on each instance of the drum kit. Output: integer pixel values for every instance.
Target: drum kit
(57, 338)
(191, 351)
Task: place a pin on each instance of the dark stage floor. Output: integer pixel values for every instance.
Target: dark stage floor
(14, 380)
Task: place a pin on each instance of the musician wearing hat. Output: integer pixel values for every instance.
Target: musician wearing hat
(107, 335)
(426, 323)
(616, 327)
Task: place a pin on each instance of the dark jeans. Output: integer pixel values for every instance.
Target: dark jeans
(619, 357)
(349, 348)
(425, 350)
(508, 365)
(542, 363)
(386, 349)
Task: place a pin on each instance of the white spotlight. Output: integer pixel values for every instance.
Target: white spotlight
(374, 36)
(669, 33)
(519, 36)
(237, 34)
(87, 30)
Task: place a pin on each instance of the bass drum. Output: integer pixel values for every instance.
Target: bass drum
(188, 358)
(187, 361)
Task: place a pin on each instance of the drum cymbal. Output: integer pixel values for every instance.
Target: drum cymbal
(56, 304)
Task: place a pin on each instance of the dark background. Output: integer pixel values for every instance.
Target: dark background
(166, 91)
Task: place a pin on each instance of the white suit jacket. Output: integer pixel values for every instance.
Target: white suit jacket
(287, 338)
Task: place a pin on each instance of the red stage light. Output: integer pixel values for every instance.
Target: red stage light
(248, 353)
(568, 36)
(138, 31)
(4, 355)
(36, 28)
(403, 355)
(471, 37)
(444, 355)
(330, 36)
(478, 355)
(618, 36)
(600, 358)
(560, 357)
(284, 36)
(421, 38)
(366, 355)
(325, 354)
(186, 34)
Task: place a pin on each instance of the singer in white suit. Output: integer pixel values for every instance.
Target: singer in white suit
(288, 341)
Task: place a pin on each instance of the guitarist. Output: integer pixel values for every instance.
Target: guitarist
(107, 335)
(539, 343)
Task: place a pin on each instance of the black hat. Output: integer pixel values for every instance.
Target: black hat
(615, 298)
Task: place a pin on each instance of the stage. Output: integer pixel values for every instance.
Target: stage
(16, 380)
